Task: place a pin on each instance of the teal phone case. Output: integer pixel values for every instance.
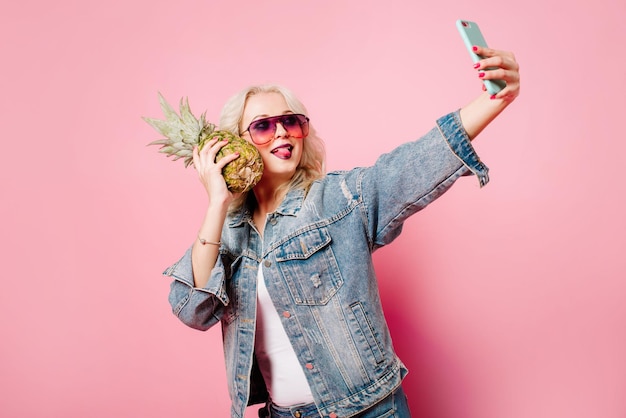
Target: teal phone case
(471, 34)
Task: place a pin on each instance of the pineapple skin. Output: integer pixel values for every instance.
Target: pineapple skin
(243, 173)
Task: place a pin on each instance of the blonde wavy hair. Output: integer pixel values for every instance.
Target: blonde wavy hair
(312, 163)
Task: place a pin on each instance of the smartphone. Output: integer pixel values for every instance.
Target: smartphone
(470, 32)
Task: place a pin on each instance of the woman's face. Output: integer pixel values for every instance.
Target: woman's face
(282, 154)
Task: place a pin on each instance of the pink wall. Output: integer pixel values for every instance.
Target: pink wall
(504, 302)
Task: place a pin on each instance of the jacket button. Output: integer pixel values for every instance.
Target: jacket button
(309, 366)
(286, 314)
(267, 263)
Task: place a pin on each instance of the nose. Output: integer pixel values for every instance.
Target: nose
(280, 131)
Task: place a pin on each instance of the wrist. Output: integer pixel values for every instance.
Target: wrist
(479, 113)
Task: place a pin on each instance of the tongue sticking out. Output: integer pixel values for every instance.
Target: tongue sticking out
(282, 152)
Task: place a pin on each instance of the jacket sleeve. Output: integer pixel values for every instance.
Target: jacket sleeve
(195, 307)
(413, 175)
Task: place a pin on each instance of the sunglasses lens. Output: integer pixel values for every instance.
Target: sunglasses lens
(289, 121)
(291, 125)
(262, 130)
(303, 124)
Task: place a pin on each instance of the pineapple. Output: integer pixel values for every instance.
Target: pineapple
(184, 132)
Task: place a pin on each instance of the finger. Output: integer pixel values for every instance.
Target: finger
(226, 159)
(484, 51)
(505, 95)
(495, 58)
(499, 74)
(196, 157)
(209, 151)
(210, 146)
(510, 92)
(499, 61)
(495, 74)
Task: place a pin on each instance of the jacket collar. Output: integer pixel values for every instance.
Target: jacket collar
(290, 206)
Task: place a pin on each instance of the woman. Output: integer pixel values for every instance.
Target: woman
(287, 267)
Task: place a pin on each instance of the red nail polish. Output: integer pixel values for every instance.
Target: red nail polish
(481, 74)
(474, 48)
(477, 65)
(493, 97)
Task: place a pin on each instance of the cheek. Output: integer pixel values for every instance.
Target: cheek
(259, 148)
(246, 137)
(265, 154)
(300, 148)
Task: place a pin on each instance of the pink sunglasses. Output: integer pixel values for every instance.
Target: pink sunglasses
(263, 130)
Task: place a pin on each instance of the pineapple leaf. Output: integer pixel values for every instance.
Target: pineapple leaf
(160, 142)
(183, 131)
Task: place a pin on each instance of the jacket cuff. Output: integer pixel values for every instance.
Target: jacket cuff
(457, 139)
(182, 271)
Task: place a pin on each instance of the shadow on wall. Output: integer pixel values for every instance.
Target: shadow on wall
(435, 377)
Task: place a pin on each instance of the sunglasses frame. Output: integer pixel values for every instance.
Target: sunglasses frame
(303, 121)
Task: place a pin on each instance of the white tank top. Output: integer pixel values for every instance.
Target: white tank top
(277, 360)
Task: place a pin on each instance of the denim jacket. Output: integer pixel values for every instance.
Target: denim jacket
(316, 259)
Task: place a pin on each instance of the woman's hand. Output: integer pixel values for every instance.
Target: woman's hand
(206, 247)
(479, 113)
(505, 68)
(210, 172)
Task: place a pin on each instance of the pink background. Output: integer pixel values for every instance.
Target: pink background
(504, 302)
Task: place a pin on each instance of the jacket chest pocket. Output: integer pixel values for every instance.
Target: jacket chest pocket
(309, 267)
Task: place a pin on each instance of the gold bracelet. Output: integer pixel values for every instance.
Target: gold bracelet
(205, 242)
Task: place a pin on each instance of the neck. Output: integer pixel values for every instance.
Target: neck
(267, 201)
(267, 198)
